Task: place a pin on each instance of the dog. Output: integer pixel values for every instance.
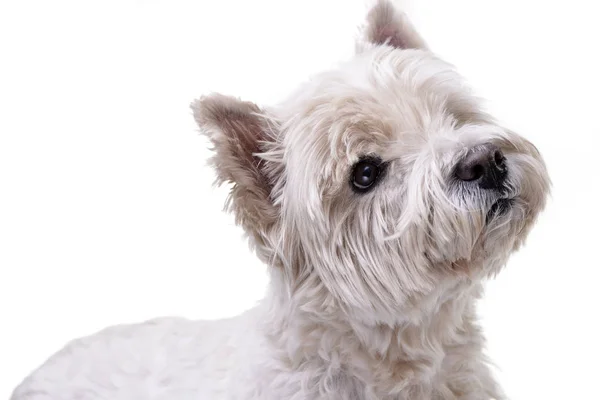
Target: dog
(381, 195)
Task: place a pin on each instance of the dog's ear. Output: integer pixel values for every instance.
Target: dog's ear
(239, 132)
(388, 25)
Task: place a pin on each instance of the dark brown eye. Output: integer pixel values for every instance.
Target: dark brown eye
(365, 174)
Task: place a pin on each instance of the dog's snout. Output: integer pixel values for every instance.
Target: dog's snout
(485, 165)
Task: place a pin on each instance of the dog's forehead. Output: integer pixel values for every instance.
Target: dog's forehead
(379, 96)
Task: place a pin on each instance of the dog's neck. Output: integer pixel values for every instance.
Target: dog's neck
(405, 352)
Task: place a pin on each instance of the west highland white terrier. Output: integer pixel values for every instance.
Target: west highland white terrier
(381, 195)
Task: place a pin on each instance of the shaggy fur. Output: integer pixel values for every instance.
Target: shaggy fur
(372, 294)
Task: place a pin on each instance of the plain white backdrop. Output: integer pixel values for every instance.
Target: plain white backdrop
(107, 214)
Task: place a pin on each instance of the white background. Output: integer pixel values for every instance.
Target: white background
(107, 214)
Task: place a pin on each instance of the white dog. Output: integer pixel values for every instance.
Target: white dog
(381, 195)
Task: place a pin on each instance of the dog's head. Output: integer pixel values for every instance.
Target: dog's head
(381, 183)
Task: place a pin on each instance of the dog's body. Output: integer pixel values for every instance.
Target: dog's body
(257, 356)
(380, 195)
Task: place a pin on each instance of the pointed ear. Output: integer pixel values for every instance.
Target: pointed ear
(387, 25)
(239, 131)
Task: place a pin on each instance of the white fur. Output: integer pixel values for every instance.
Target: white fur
(372, 295)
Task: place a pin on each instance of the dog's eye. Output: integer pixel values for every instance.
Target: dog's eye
(365, 174)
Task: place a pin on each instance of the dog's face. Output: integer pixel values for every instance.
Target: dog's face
(382, 184)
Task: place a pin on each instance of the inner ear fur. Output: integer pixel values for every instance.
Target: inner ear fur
(239, 132)
(388, 25)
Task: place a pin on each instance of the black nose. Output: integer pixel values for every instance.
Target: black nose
(484, 164)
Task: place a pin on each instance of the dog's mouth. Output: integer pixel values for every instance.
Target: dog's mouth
(499, 208)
